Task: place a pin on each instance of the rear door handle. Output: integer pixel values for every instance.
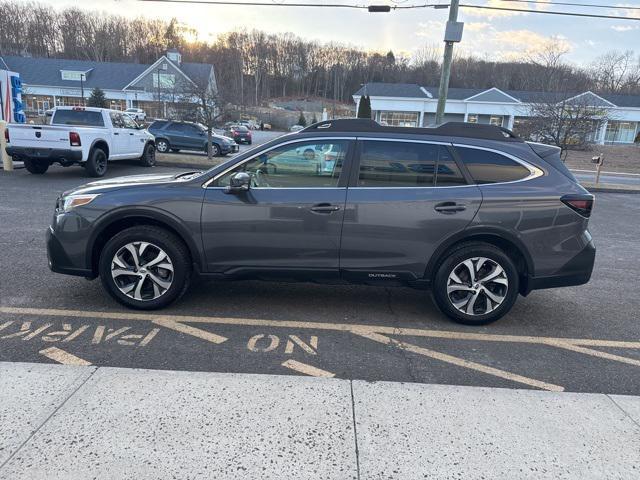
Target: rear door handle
(325, 208)
(449, 207)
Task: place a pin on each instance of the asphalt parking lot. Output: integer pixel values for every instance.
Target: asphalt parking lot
(584, 339)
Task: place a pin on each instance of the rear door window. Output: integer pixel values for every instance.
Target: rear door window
(406, 164)
(491, 167)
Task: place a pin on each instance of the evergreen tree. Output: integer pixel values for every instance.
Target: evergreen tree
(97, 99)
(314, 119)
(364, 108)
(301, 120)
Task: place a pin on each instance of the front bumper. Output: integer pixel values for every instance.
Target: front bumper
(233, 148)
(576, 271)
(60, 260)
(48, 154)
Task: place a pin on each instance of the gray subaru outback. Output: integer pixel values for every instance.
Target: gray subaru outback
(471, 212)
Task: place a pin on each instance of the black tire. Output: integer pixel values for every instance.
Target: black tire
(452, 260)
(249, 142)
(148, 158)
(96, 165)
(37, 167)
(162, 145)
(173, 246)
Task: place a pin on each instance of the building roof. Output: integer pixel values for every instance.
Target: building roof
(412, 90)
(105, 75)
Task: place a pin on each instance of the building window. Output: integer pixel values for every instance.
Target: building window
(620, 132)
(472, 118)
(399, 119)
(73, 75)
(496, 120)
(167, 80)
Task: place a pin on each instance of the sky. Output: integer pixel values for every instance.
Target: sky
(492, 34)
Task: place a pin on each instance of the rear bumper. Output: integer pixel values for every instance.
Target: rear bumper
(576, 271)
(48, 154)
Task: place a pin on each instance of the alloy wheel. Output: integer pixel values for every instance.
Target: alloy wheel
(142, 271)
(477, 286)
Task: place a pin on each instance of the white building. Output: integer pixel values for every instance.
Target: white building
(405, 104)
(156, 87)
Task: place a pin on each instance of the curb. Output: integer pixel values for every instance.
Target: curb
(610, 188)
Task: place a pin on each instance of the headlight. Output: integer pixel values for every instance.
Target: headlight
(72, 201)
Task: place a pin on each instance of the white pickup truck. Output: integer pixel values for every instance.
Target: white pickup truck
(86, 136)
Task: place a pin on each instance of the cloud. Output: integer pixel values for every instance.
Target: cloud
(621, 11)
(623, 28)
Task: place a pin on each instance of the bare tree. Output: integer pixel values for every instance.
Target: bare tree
(568, 123)
(204, 104)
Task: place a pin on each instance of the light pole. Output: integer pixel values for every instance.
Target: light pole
(82, 79)
(452, 34)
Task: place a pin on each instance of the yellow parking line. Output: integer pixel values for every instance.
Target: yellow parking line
(460, 362)
(597, 353)
(63, 357)
(342, 327)
(307, 369)
(189, 330)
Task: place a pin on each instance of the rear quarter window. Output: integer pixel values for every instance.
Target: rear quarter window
(82, 118)
(491, 167)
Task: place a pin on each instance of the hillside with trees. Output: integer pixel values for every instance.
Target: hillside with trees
(253, 66)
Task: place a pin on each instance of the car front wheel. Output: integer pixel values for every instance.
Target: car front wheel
(476, 284)
(145, 267)
(148, 158)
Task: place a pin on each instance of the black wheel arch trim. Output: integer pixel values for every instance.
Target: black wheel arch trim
(95, 143)
(157, 216)
(472, 233)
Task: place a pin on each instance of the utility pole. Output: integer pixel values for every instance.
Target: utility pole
(453, 34)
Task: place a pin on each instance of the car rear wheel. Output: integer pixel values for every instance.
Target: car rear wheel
(476, 284)
(148, 158)
(37, 167)
(145, 267)
(96, 165)
(162, 145)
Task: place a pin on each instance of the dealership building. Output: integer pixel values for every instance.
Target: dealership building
(412, 105)
(156, 88)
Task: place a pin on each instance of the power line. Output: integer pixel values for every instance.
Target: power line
(550, 12)
(393, 7)
(588, 5)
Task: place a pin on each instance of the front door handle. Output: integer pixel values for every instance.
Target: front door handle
(449, 207)
(325, 208)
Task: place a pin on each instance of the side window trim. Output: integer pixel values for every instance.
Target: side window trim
(534, 171)
(342, 180)
(355, 167)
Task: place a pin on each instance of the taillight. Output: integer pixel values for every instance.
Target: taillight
(74, 139)
(580, 203)
(6, 134)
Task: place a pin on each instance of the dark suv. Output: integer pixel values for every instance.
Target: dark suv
(471, 211)
(175, 136)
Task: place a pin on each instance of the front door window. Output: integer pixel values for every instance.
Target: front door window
(315, 164)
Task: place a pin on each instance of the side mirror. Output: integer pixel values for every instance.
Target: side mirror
(239, 182)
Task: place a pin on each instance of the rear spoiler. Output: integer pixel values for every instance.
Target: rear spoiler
(551, 155)
(543, 150)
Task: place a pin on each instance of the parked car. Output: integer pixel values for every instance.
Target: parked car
(86, 136)
(296, 128)
(239, 133)
(136, 113)
(468, 210)
(172, 135)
